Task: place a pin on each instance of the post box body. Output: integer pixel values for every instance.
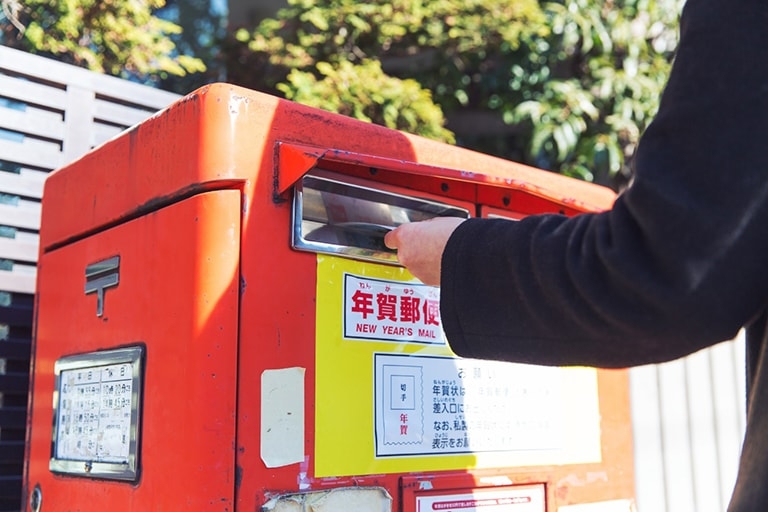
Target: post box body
(196, 350)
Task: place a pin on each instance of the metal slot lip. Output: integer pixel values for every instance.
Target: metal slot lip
(95, 270)
(335, 217)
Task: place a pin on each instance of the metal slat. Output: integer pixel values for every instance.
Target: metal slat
(60, 73)
(17, 249)
(688, 424)
(24, 184)
(46, 155)
(647, 438)
(726, 361)
(27, 217)
(28, 91)
(675, 437)
(701, 413)
(32, 121)
(120, 114)
(16, 282)
(104, 132)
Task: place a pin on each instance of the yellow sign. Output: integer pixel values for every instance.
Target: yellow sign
(391, 397)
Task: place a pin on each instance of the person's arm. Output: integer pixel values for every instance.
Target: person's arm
(678, 264)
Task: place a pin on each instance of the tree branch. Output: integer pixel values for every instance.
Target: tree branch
(11, 9)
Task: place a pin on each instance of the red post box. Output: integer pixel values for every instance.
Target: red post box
(220, 328)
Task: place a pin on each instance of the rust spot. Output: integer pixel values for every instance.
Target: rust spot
(238, 476)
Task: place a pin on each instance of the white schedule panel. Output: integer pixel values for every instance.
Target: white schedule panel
(97, 414)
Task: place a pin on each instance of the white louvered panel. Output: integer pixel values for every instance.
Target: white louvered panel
(25, 90)
(35, 121)
(104, 132)
(32, 152)
(688, 423)
(27, 183)
(119, 114)
(646, 431)
(26, 215)
(23, 247)
(16, 282)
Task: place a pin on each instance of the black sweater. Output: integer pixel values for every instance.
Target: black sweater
(678, 264)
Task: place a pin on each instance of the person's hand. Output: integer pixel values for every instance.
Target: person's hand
(420, 246)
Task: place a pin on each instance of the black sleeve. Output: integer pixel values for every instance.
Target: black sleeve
(681, 260)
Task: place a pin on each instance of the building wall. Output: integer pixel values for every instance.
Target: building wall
(50, 114)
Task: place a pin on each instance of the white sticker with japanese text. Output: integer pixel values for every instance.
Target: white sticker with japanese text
(375, 309)
(430, 405)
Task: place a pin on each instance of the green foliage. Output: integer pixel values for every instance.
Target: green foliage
(579, 78)
(405, 34)
(364, 92)
(605, 71)
(451, 48)
(119, 37)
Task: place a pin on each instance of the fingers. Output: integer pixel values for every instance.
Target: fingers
(420, 246)
(392, 238)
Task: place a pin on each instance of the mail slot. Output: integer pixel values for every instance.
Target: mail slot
(221, 328)
(335, 217)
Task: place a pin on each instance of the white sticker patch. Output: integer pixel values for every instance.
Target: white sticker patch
(282, 416)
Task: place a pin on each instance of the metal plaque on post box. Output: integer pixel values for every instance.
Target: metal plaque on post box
(96, 414)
